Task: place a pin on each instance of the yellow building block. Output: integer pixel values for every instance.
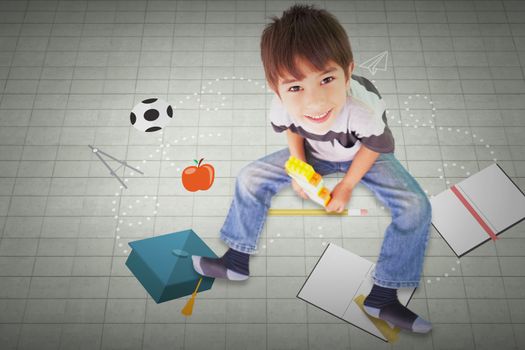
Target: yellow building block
(310, 181)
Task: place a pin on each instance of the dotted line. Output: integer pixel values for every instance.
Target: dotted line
(432, 126)
(429, 123)
(429, 281)
(164, 149)
(203, 90)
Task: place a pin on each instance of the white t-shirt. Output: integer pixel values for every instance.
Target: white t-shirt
(361, 121)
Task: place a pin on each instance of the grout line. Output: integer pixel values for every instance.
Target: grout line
(9, 202)
(516, 340)
(267, 20)
(266, 146)
(440, 160)
(444, 177)
(28, 128)
(117, 205)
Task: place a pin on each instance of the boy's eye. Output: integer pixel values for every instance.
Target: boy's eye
(293, 88)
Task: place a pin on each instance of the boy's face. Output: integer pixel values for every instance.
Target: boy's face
(315, 101)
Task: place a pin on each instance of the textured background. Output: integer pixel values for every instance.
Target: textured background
(70, 72)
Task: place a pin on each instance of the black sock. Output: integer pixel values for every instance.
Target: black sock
(233, 265)
(380, 296)
(237, 261)
(383, 303)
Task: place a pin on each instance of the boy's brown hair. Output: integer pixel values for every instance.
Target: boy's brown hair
(304, 32)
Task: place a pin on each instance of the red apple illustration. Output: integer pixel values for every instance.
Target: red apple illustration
(198, 177)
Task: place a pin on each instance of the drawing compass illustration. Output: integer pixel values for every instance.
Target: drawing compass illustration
(122, 163)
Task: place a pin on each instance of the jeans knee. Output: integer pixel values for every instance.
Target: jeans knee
(252, 181)
(416, 210)
(246, 179)
(421, 209)
(261, 180)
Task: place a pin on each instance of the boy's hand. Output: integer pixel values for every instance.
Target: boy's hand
(299, 190)
(340, 196)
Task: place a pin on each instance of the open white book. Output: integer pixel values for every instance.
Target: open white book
(337, 279)
(477, 209)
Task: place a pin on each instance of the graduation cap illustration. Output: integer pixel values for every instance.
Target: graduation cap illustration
(477, 209)
(163, 266)
(378, 62)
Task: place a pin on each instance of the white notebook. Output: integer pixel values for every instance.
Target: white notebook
(337, 278)
(477, 209)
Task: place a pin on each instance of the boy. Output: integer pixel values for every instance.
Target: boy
(308, 64)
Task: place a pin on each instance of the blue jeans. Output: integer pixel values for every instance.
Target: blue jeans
(401, 257)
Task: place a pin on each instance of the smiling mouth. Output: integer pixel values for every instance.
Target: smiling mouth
(319, 118)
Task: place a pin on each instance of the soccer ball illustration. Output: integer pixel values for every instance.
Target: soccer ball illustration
(151, 115)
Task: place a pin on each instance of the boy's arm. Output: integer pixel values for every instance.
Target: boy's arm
(296, 145)
(362, 162)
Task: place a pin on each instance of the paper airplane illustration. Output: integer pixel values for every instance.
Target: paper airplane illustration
(98, 153)
(378, 62)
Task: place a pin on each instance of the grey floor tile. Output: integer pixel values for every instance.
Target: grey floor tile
(13, 287)
(12, 310)
(287, 336)
(241, 336)
(9, 334)
(453, 336)
(125, 310)
(70, 71)
(44, 311)
(88, 311)
(125, 287)
(208, 336)
(16, 266)
(53, 266)
(489, 310)
(449, 287)
(212, 311)
(448, 311)
(122, 336)
(285, 266)
(88, 287)
(44, 336)
(163, 336)
(18, 247)
(286, 311)
(335, 336)
(503, 336)
(81, 336)
(517, 310)
(255, 287)
(246, 311)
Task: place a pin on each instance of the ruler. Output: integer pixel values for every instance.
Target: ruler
(316, 212)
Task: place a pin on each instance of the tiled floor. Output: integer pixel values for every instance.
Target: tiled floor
(70, 72)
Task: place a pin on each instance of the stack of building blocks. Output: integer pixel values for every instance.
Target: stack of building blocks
(310, 181)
